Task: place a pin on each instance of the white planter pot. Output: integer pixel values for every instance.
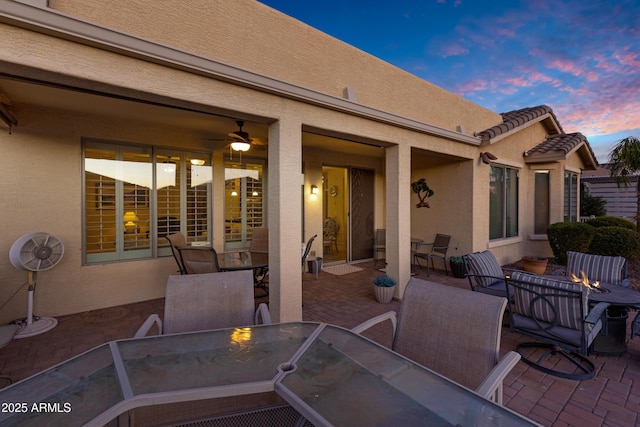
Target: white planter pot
(384, 295)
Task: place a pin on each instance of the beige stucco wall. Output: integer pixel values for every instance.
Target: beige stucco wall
(253, 36)
(451, 206)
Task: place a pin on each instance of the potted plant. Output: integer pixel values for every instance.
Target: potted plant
(534, 264)
(383, 288)
(457, 266)
(423, 191)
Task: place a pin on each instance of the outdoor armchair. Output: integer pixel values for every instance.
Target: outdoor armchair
(453, 332)
(259, 240)
(305, 255)
(199, 259)
(635, 326)
(556, 313)
(439, 248)
(485, 274)
(605, 269)
(379, 244)
(176, 240)
(198, 302)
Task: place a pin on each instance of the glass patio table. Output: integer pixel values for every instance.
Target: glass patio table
(256, 261)
(329, 375)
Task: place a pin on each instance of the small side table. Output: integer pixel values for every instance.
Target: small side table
(316, 263)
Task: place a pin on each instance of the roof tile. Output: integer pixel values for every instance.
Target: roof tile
(516, 118)
(557, 142)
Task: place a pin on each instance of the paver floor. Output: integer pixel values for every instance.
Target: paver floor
(612, 398)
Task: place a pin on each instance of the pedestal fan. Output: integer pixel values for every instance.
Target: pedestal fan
(35, 252)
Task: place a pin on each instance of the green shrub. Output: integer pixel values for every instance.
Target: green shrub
(611, 221)
(615, 241)
(569, 236)
(592, 205)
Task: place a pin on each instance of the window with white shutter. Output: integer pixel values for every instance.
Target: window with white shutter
(134, 196)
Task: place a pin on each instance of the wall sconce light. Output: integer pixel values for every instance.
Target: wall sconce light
(234, 193)
(197, 162)
(315, 190)
(487, 157)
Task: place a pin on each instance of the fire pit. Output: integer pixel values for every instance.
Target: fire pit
(593, 286)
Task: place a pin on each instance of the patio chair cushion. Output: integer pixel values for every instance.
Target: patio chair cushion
(606, 269)
(567, 310)
(635, 326)
(485, 264)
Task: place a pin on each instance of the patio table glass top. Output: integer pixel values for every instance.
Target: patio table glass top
(243, 260)
(330, 375)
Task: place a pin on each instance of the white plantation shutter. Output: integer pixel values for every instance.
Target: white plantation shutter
(244, 201)
(133, 199)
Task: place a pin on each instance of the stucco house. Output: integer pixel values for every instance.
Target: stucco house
(117, 119)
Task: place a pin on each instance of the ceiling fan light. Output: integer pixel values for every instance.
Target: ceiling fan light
(240, 146)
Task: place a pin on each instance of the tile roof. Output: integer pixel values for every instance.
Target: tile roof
(564, 142)
(517, 118)
(556, 145)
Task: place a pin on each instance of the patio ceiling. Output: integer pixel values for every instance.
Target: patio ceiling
(209, 122)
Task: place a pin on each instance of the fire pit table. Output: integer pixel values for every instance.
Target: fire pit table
(613, 339)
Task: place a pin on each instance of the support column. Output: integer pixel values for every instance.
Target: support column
(398, 221)
(285, 220)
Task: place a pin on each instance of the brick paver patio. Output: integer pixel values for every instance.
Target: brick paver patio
(612, 398)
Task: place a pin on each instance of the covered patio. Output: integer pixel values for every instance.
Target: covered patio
(612, 398)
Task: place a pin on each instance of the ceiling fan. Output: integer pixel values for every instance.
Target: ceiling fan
(241, 141)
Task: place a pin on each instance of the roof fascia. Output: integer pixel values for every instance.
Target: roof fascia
(57, 24)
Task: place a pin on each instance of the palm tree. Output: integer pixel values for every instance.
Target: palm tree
(624, 162)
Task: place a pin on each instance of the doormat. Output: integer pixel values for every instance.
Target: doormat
(341, 269)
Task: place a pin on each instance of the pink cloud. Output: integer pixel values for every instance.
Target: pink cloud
(471, 86)
(600, 118)
(453, 50)
(630, 59)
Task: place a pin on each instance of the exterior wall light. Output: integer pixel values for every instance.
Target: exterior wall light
(314, 189)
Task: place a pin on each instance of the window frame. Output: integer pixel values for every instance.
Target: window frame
(571, 196)
(510, 209)
(156, 247)
(542, 199)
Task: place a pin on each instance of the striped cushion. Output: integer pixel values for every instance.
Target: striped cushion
(485, 264)
(567, 306)
(606, 269)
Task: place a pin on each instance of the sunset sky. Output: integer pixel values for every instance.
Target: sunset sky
(580, 57)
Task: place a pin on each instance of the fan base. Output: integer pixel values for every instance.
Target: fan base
(40, 326)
